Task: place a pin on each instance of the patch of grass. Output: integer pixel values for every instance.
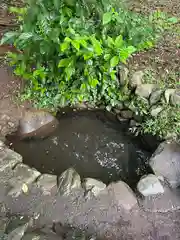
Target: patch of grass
(167, 80)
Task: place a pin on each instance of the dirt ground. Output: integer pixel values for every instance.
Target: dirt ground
(161, 63)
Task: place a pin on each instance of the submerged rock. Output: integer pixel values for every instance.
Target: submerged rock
(166, 163)
(36, 123)
(68, 181)
(150, 185)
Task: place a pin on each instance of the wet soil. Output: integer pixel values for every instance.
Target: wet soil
(11, 110)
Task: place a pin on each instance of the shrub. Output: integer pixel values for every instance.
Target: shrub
(70, 49)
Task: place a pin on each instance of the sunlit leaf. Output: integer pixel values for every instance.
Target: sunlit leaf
(107, 17)
(64, 62)
(64, 46)
(75, 44)
(114, 61)
(119, 41)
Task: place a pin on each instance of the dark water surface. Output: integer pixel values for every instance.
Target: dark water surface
(92, 142)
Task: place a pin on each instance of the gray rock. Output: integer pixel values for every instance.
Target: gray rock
(8, 158)
(137, 117)
(18, 233)
(133, 123)
(122, 194)
(167, 202)
(3, 224)
(150, 185)
(136, 79)
(165, 163)
(36, 124)
(68, 181)
(48, 183)
(175, 98)
(118, 109)
(145, 90)
(121, 119)
(81, 105)
(168, 93)
(93, 185)
(36, 236)
(22, 174)
(127, 114)
(155, 110)
(155, 97)
(123, 75)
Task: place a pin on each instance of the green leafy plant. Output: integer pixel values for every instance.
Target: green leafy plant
(166, 124)
(69, 50)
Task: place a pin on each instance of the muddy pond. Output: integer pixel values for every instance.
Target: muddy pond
(95, 143)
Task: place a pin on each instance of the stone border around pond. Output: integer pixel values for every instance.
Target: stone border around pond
(152, 95)
(17, 178)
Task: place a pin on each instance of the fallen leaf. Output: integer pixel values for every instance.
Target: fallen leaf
(24, 188)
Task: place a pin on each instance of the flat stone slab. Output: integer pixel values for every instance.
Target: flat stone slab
(8, 158)
(22, 175)
(48, 183)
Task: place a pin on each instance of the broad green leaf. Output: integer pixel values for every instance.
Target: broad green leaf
(75, 44)
(68, 11)
(119, 41)
(123, 55)
(107, 57)
(97, 46)
(8, 37)
(107, 17)
(93, 82)
(67, 39)
(173, 20)
(87, 56)
(83, 42)
(25, 36)
(64, 62)
(110, 42)
(113, 75)
(69, 72)
(131, 49)
(64, 46)
(83, 86)
(114, 61)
